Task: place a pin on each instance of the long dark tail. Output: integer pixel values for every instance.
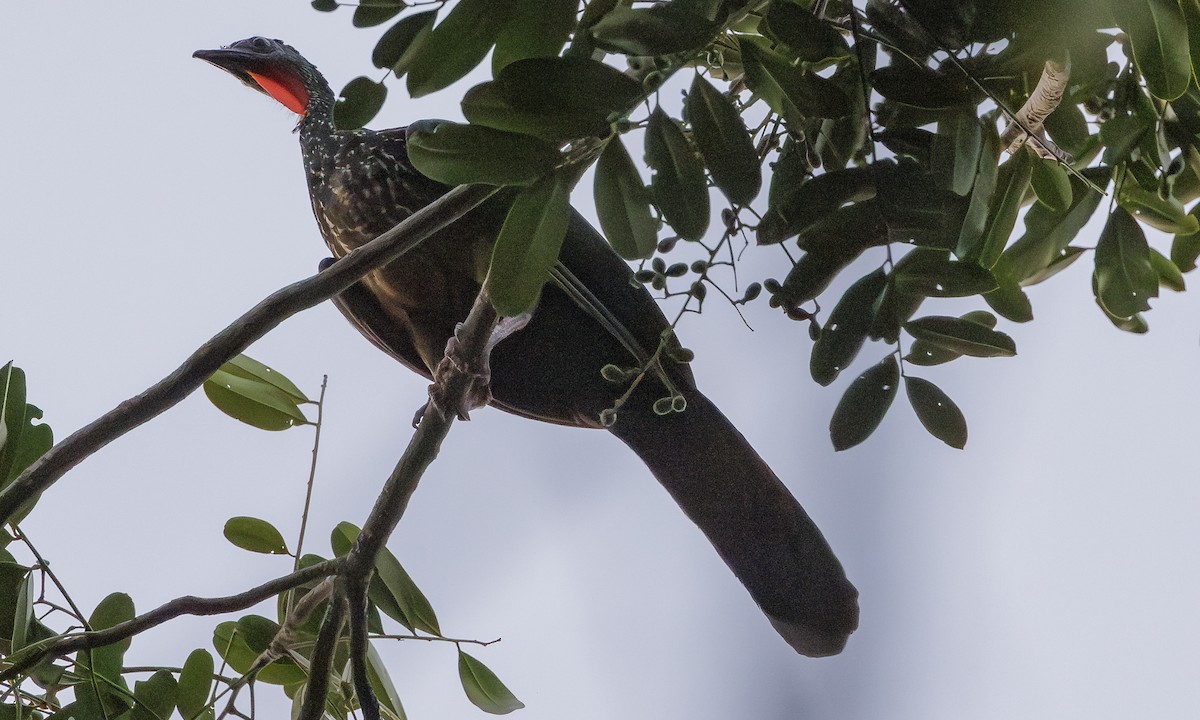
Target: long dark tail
(750, 517)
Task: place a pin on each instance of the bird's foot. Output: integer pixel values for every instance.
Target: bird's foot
(477, 370)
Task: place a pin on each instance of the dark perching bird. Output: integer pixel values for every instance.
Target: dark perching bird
(361, 184)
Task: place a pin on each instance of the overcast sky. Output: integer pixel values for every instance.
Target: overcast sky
(1047, 571)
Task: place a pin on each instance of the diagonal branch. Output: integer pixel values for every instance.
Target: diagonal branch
(235, 338)
(188, 605)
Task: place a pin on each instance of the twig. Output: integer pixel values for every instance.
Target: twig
(317, 690)
(187, 605)
(308, 489)
(235, 338)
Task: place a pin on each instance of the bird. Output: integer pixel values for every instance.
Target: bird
(361, 183)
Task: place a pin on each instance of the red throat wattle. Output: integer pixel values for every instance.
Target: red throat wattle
(288, 91)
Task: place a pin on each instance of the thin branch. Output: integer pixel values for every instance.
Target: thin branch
(187, 605)
(317, 690)
(308, 489)
(235, 338)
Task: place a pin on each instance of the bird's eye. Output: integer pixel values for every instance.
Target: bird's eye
(261, 43)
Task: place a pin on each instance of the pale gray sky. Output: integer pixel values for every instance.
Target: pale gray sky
(1047, 571)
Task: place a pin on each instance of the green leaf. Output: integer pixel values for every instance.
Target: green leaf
(537, 28)
(955, 151)
(1047, 233)
(723, 141)
(927, 354)
(358, 103)
(370, 13)
(381, 683)
(253, 401)
(1012, 181)
(528, 244)
(108, 661)
(623, 204)
(463, 154)
(1159, 35)
(1185, 249)
(408, 596)
(553, 98)
(788, 89)
(678, 184)
(247, 367)
(922, 87)
(1166, 214)
(1125, 278)
(21, 441)
(962, 336)
(398, 47)
(240, 643)
(1169, 275)
(23, 613)
(656, 30)
(457, 44)
(483, 688)
(809, 39)
(937, 412)
(1065, 259)
(255, 535)
(155, 697)
(1008, 298)
(1191, 16)
(935, 275)
(195, 683)
(324, 5)
(1051, 184)
(864, 404)
(847, 328)
(983, 186)
(804, 203)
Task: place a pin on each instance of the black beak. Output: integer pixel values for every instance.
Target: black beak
(235, 61)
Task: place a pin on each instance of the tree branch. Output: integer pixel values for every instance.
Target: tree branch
(235, 338)
(188, 605)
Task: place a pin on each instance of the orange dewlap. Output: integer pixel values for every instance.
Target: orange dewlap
(295, 100)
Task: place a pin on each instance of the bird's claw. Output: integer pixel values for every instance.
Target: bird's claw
(478, 370)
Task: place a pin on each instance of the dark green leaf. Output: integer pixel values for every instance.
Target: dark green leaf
(538, 28)
(398, 47)
(656, 30)
(554, 98)
(1191, 16)
(253, 401)
(927, 354)
(937, 412)
(483, 688)
(247, 367)
(955, 151)
(864, 404)
(22, 618)
(528, 245)
(358, 103)
(1068, 256)
(806, 202)
(847, 328)
(324, 5)
(1051, 184)
(1125, 278)
(240, 643)
(1166, 214)
(678, 184)
(788, 89)
(457, 44)
(919, 86)
(381, 683)
(370, 13)
(255, 535)
(810, 40)
(463, 154)
(1048, 233)
(976, 219)
(1011, 184)
(938, 276)
(723, 141)
(1185, 249)
(391, 588)
(1169, 275)
(1159, 35)
(155, 697)
(1008, 298)
(195, 683)
(623, 204)
(21, 440)
(963, 336)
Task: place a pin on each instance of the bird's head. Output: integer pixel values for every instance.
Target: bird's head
(274, 68)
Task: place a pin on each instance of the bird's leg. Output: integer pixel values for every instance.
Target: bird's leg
(478, 369)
